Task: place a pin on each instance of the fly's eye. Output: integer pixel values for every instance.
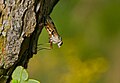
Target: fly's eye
(61, 43)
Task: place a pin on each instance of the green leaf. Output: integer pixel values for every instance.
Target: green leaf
(14, 81)
(20, 74)
(32, 81)
(17, 73)
(22, 81)
(24, 75)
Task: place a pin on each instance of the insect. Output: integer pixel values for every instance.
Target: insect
(54, 37)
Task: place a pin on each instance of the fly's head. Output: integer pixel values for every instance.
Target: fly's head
(56, 39)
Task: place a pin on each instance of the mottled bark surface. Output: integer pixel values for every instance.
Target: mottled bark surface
(21, 22)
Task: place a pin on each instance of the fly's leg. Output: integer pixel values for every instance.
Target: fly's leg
(51, 44)
(43, 46)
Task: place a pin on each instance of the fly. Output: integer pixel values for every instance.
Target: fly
(54, 37)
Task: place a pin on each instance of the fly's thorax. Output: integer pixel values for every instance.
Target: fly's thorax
(56, 39)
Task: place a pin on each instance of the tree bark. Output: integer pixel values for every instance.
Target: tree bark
(21, 22)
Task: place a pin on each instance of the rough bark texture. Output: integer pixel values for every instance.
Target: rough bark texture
(21, 22)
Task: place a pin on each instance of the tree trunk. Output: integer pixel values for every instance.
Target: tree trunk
(21, 22)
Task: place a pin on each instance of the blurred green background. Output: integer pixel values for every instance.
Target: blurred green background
(90, 30)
